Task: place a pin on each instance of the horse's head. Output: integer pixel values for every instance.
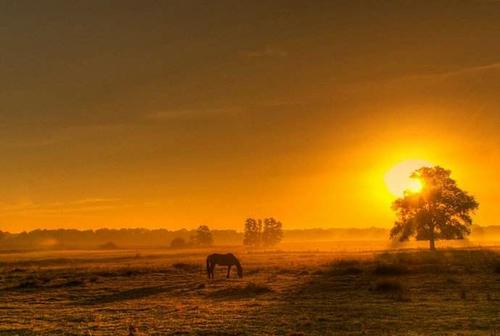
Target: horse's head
(240, 271)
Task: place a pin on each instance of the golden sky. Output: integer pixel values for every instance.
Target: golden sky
(179, 113)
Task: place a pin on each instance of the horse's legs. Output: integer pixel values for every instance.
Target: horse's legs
(210, 270)
(228, 271)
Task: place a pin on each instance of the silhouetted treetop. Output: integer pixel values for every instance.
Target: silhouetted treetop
(258, 232)
(203, 236)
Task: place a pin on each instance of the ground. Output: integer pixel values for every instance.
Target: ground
(166, 292)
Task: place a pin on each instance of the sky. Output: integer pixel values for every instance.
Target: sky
(172, 114)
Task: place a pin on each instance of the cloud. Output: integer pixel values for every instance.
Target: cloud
(482, 77)
(55, 208)
(461, 72)
(476, 69)
(26, 137)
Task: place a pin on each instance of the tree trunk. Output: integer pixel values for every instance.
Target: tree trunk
(432, 245)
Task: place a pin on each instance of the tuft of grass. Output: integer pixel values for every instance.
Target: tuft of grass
(388, 286)
(346, 263)
(93, 279)
(73, 283)
(390, 269)
(285, 271)
(463, 294)
(28, 284)
(131, 272)
(133, 330)
(345, 267)
(252, 271)
(352, 270)
(123, 272)
(497, 267)
(186, 267)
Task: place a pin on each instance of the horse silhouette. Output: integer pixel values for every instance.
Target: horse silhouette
(224, 260)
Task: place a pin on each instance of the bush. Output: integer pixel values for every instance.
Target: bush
(178, 243)
(108, 246)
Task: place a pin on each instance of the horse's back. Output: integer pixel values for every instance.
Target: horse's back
(220, 255)
(222, 259)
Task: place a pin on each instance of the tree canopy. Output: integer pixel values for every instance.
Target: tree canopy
(441, 210)
(203, 236)
(258, 232)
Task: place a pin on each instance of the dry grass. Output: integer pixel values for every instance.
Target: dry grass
(449, 292)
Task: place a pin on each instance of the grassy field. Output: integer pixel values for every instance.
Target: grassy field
(164, 292)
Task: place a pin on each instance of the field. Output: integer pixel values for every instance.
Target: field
(165, 292)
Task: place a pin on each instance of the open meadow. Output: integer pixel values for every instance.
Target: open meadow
(166, 292)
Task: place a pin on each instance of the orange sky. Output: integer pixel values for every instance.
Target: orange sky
(181, 113)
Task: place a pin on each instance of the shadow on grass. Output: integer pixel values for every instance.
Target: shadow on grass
(130, 294)
(250, 290)
(22, 331)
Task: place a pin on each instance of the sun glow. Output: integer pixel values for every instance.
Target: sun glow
(398, 180)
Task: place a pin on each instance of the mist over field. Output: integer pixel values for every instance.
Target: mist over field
(162, 238)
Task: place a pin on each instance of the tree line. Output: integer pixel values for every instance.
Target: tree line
(111, 238)
(265, 232)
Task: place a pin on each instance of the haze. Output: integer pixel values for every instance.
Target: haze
(179, 113)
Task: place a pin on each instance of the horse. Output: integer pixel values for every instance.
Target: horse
(224, 260)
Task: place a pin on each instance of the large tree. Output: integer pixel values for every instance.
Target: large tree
(441, 210)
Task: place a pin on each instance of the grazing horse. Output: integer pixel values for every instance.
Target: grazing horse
(224, 260)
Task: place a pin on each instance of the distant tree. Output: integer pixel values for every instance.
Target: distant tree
(272, 232)
(441, 210)
(253, 232)
(178, 242)
(203, 236)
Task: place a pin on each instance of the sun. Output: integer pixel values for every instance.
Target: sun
(398, 180)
